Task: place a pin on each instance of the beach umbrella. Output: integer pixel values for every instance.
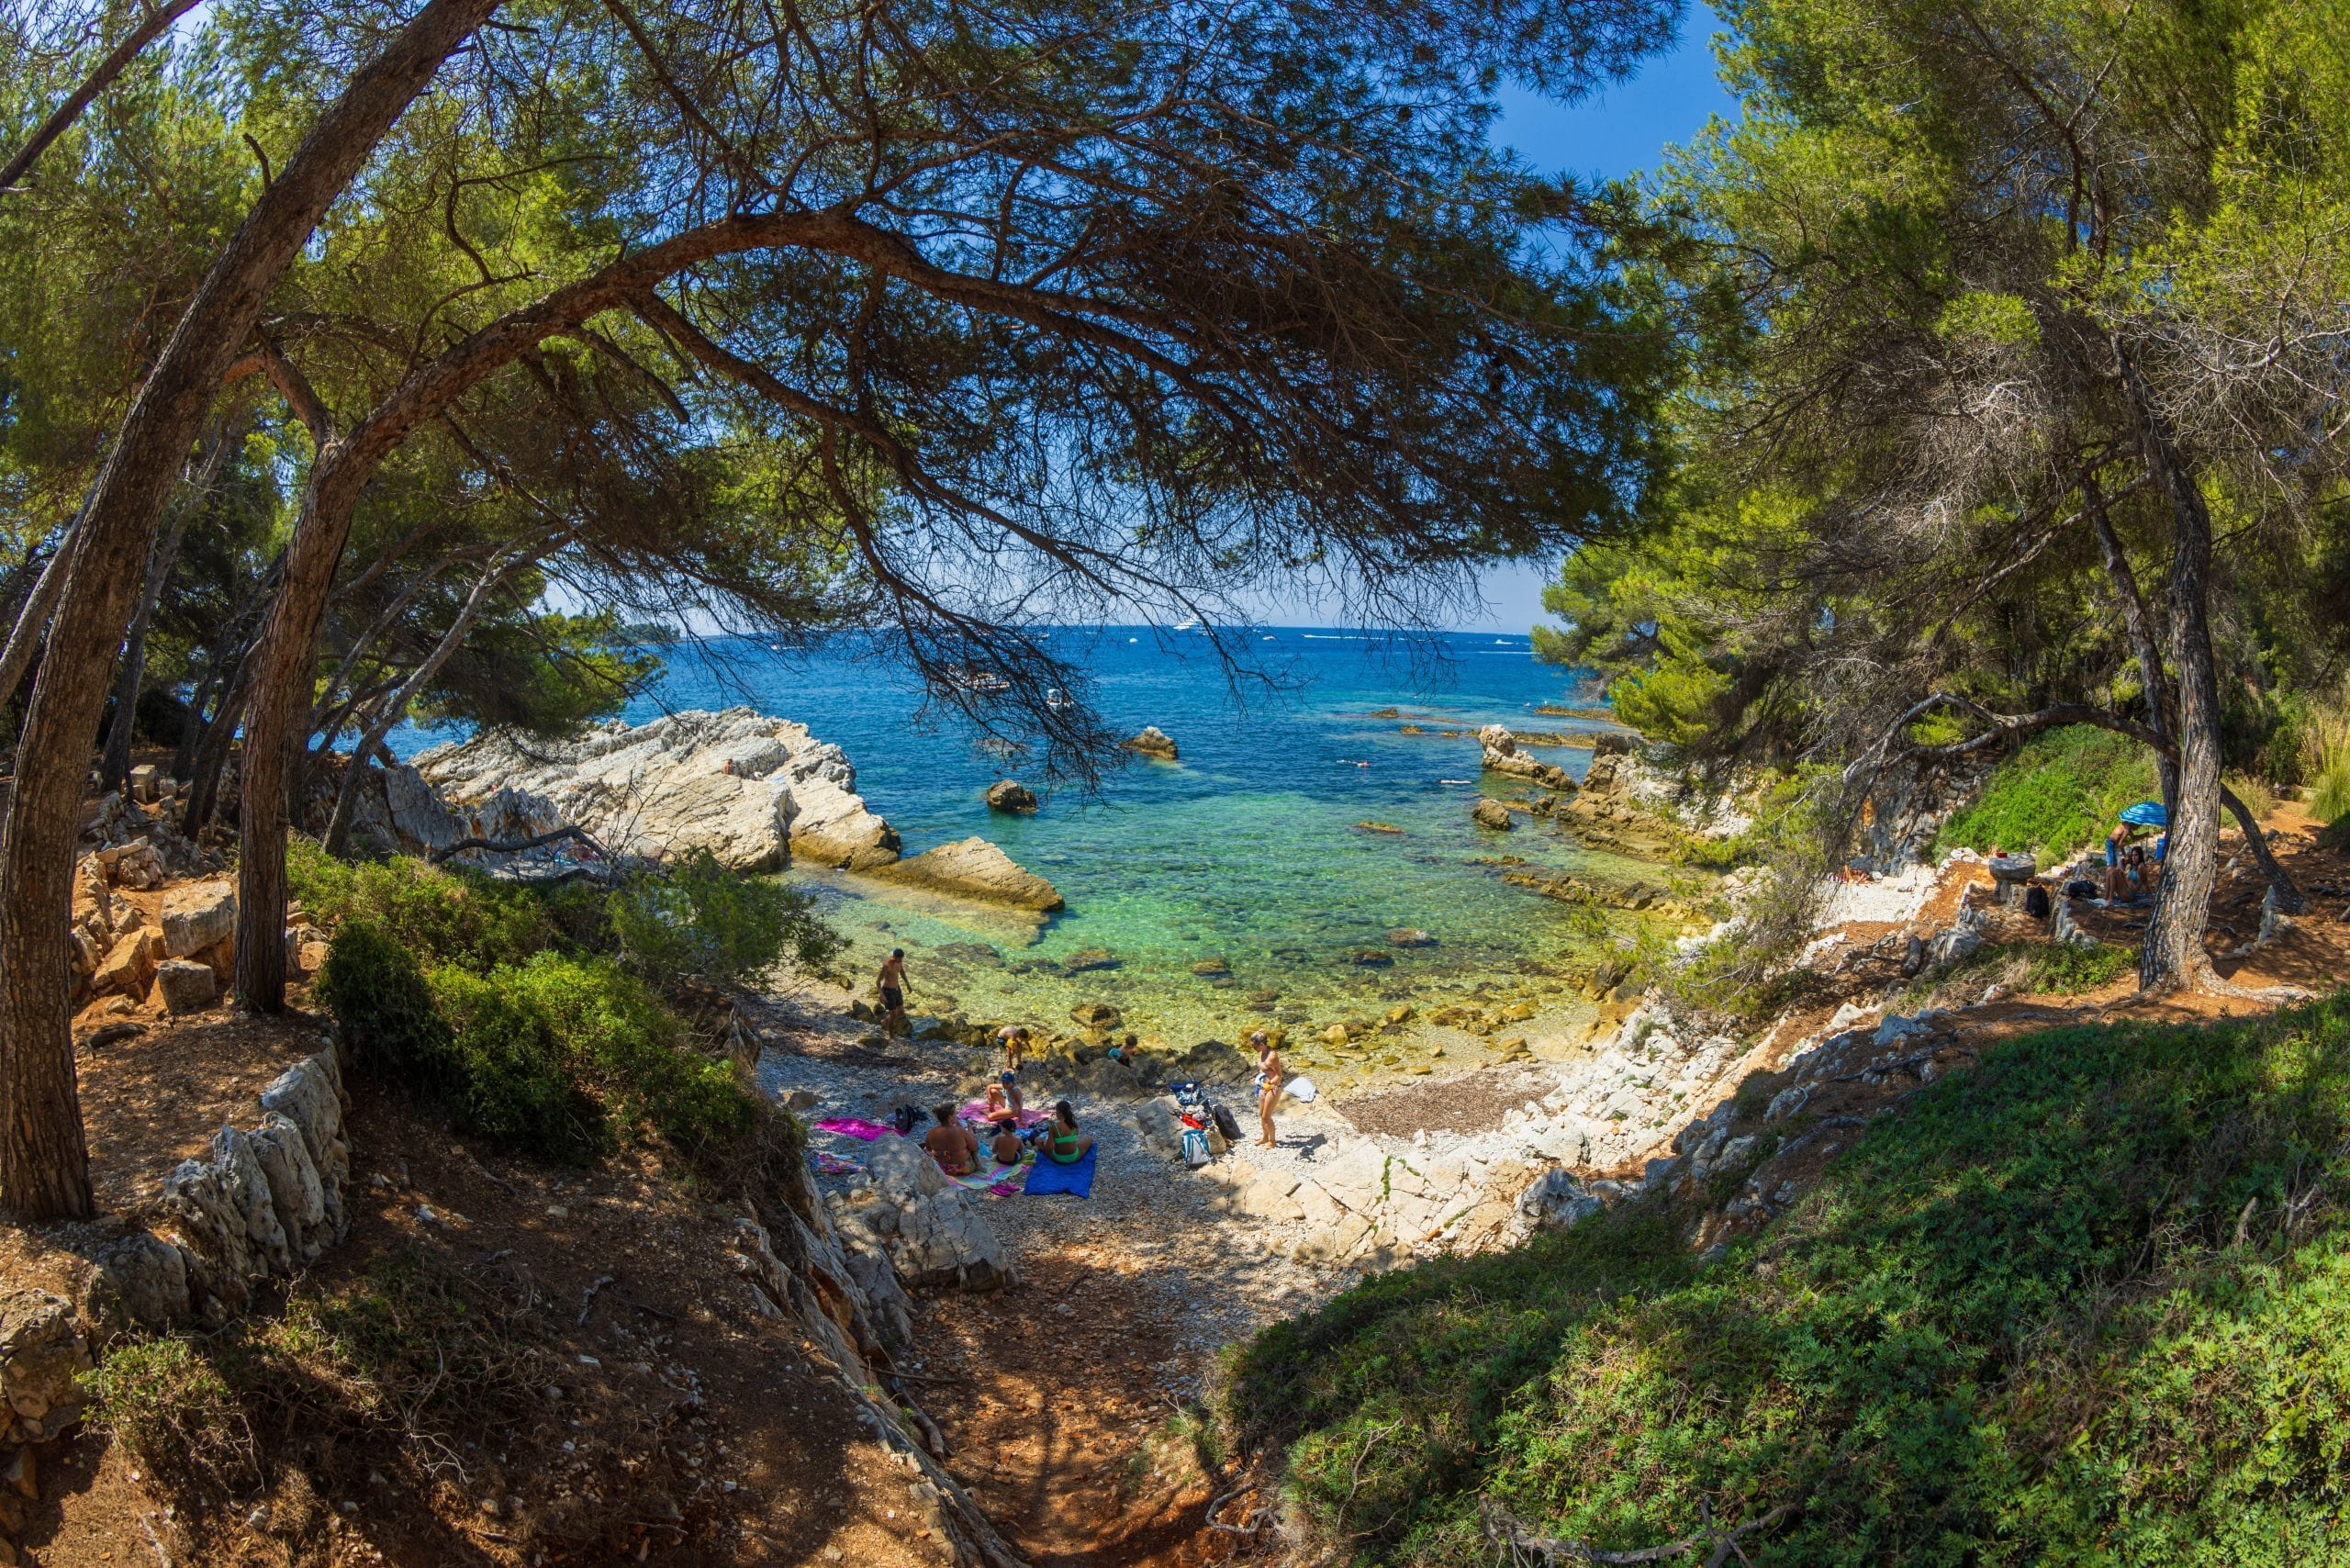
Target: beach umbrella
(2146, 813)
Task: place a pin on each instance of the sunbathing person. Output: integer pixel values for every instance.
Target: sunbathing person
(951, 1143)
(1009, 1146)
(1000, 1110)
(1064, 1145)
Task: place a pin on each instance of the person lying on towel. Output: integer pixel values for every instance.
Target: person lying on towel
(1064, 1145)
(952, 1145)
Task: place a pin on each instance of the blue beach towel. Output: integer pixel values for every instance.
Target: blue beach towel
(1077, 1180)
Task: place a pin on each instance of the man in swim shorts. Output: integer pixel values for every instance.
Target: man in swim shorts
(893, 993)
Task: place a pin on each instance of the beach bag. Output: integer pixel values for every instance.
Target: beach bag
(1227, 1124)
(1301, 1090)
(2035, 901)
(904, 1119)
(2081, 890)
(1195, 1147)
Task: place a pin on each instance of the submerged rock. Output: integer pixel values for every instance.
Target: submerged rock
(973, 868)
(1153, 742)
(1011, 796)
(756, 791)
(1086, 959)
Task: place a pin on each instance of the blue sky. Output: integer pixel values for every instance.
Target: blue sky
(1617, 132)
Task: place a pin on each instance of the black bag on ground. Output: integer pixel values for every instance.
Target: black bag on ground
(2035, 901)
(2080, 889)
(1226, 1125)
(904, 1119)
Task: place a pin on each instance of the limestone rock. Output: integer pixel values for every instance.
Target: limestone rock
(1491, 814)
(198, 917)
(138, 1282)
(1096, 1015)
(1153, 742)
(754, 791)
(129, 966)
(942, 1240)
(186, 987)
(1555, 1201)
(973, 868)
(1011, 796)
(1502, 755)
(42, 1350)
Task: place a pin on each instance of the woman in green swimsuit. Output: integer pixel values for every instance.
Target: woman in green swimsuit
(1064, 1145)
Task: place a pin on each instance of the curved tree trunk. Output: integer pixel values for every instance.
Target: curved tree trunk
(389, 714)
(44, 1161)
(114, 768)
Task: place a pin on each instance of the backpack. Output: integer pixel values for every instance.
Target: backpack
(1195, 1148)
(2035, 901)
(905, 1119)
(1226, 1125)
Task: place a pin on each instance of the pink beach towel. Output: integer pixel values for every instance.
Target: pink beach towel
(854, 1126)
(977, 1111)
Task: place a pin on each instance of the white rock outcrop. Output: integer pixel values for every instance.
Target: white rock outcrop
(933, 1232)
(754, 791)
(973, 868)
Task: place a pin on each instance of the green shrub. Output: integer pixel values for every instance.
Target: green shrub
(412, 1349)
(374, 986)
(510, 1077)
(2089, 1302)
(2062, 791)
(169, 1407)
(2061, 969)
(694, 916)
(618, 1039)
(441, 917)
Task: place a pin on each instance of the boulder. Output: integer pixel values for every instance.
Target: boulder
(147, 783)
(198, 917)
(973, 868)
(186, 987)
(941, 1239)
(129, 966)
(1555, 1201)
(1011, 796)
(1502, 755)
(1491, 814)
(1153, 742)
(1410, 936)
(1087, 959)
(1096, 1015)
(42, 1353)
(754, 791)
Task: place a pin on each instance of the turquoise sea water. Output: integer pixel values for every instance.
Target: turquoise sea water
(1244, 850)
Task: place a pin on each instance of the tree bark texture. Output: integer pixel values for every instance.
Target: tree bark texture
(279, 713)
(44, 1163)
(2174, 954)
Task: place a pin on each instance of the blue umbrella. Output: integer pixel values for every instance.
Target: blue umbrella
(2146, 813)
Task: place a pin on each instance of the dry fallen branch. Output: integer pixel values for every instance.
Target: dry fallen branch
(1520, 1545)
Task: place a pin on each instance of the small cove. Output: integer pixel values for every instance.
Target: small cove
(1245, 851)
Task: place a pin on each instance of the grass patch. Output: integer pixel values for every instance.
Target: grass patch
(2088, 1302)
(412, 1349)
(2061, 792)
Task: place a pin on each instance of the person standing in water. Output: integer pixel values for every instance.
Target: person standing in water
(1269, 1084)
(893, 993)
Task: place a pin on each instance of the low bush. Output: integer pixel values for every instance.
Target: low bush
(695, 917)
(412, 1349)
(2061, 792)
(2089, 1302)
(631, 1052)
(378, 991)
(509, 1075)
(441, 917)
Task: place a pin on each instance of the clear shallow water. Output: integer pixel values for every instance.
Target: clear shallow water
(1244, 850)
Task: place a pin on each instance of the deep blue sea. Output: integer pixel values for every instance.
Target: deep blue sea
(1244, 850)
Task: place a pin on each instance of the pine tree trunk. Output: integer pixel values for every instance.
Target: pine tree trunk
(44, 1164)
(114, 769)
(2174, 954)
